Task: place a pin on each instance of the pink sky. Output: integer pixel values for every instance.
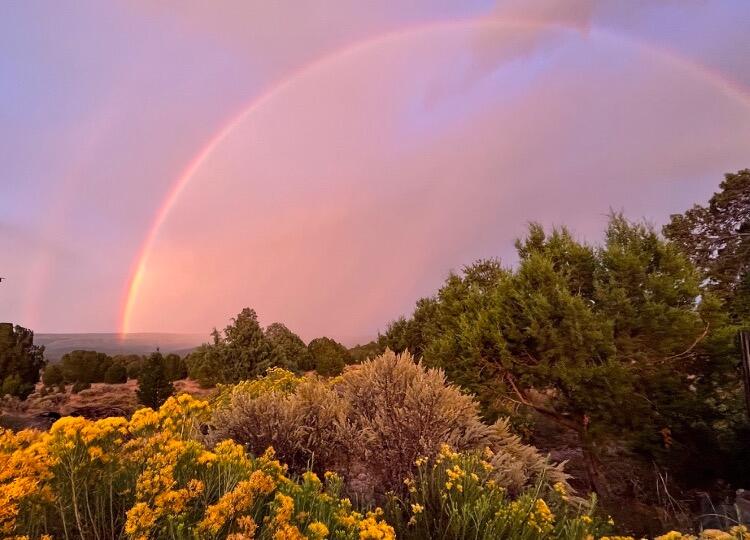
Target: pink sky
(363, 152)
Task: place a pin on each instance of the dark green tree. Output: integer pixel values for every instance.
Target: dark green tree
(85, 366)
(116, 374)
(52, 375)
(329, 356)
(21, 361)
(716, 237)
(154, 387)
(290, 350)
(242, 352)
(175, 367)
(580, 334)
(368, 351)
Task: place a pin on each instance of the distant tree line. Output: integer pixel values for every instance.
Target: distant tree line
(245, 350)
(82, 368)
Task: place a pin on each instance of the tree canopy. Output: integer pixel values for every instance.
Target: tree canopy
(579, 334)
(21, 361)
(289, 348)
(716, 237)
(329, 356)
(243, 351)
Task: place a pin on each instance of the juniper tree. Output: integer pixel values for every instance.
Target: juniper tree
(154, 387)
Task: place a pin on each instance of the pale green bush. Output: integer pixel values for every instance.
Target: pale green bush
(372, 423)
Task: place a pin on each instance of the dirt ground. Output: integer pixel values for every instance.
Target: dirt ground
(42, 408)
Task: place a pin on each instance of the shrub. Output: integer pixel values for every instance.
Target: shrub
(79, 386)
(275, 380)
(116, 374)
(85, 366)
(401, 411)
(303, 419)
(329, 356)
(52, 375)
(455, 495)
(372, 423)
(150, 478)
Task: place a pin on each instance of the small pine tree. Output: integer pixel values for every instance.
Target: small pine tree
(154, 387)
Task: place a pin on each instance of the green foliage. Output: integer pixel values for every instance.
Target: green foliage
(580, 334)
(85, 366)
(716, 237)
(132, 362)
(455, 495)
(175, 367)
(276, 380)
(52, 375)
(378, 417)
(116, 374)
(21, 361)
(242, 352)
(154, 477)
(368, 351)
(291, 351)
(329, 356)
(154, 387)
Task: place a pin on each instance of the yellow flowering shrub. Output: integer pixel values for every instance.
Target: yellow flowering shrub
(738, 532)
(277, 380)
(153, 477)
(455, 495)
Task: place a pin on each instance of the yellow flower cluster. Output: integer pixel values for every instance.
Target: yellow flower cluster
(371, 528)
(738, 532)
(276, 379)
(155, 470)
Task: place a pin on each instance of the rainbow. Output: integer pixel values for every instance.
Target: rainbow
(139, 269)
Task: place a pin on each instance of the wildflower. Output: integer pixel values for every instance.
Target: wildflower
(140, 520)
(317, 530)
(371, 529)
(312, 479)
(671, 535)
(417, 508)
(715, 534)
(561, 489)
(543, 511)
(96, 453)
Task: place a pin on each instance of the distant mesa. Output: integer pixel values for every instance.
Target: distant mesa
(56, 345)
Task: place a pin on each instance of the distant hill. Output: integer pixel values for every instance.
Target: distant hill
(56, 345)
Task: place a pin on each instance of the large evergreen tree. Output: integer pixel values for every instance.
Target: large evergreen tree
(716, 237)
(609, 342)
